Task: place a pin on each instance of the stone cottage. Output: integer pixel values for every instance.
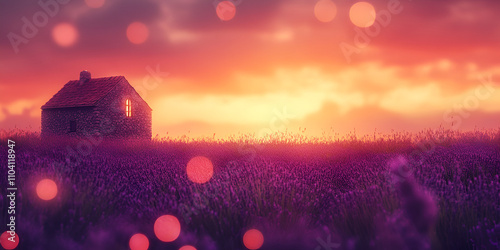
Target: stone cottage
(108, 106)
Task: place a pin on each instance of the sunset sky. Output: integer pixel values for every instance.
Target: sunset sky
(270, 65)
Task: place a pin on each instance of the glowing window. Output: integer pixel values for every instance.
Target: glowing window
(128, 108)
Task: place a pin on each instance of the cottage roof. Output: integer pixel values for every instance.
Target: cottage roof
(81, 93)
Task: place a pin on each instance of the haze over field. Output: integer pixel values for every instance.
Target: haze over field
(421, 64)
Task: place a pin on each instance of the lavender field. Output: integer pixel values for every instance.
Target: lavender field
(432, 190)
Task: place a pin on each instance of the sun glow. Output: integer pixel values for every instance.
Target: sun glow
(95, 3)
(167, 228)
(325, 10)
(64, 34)
(139, 242)
(226, 10)
(46, 189)
(6, 243)
(200, 169)
(137, 33)
(362, 14)
(187, 247)
(253, 239)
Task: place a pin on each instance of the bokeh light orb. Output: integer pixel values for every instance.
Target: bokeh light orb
(95, 3)
(167, 228)
(46, 189)
(64, 34)
(226, 10)
(137, 32)
(199, 169)
(253, 239)
(325, 10)
(6, 243)
(362, 14)
(187, 247)
(138, 242)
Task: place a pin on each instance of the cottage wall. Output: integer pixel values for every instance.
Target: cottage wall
(115, 123)
(57, 121)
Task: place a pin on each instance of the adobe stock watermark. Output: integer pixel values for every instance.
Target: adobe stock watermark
(233, 168)
(149, 84)
(249, 150)
(364, 36)
(283, 117)
(471, 103)
(226, 8)
(328, 244)
(453, 117)
(11, 190)
(40, 19)
(201, 200)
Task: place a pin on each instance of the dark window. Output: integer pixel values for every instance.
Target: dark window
(72, 126)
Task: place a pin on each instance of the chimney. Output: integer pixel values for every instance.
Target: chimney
(84, 76)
